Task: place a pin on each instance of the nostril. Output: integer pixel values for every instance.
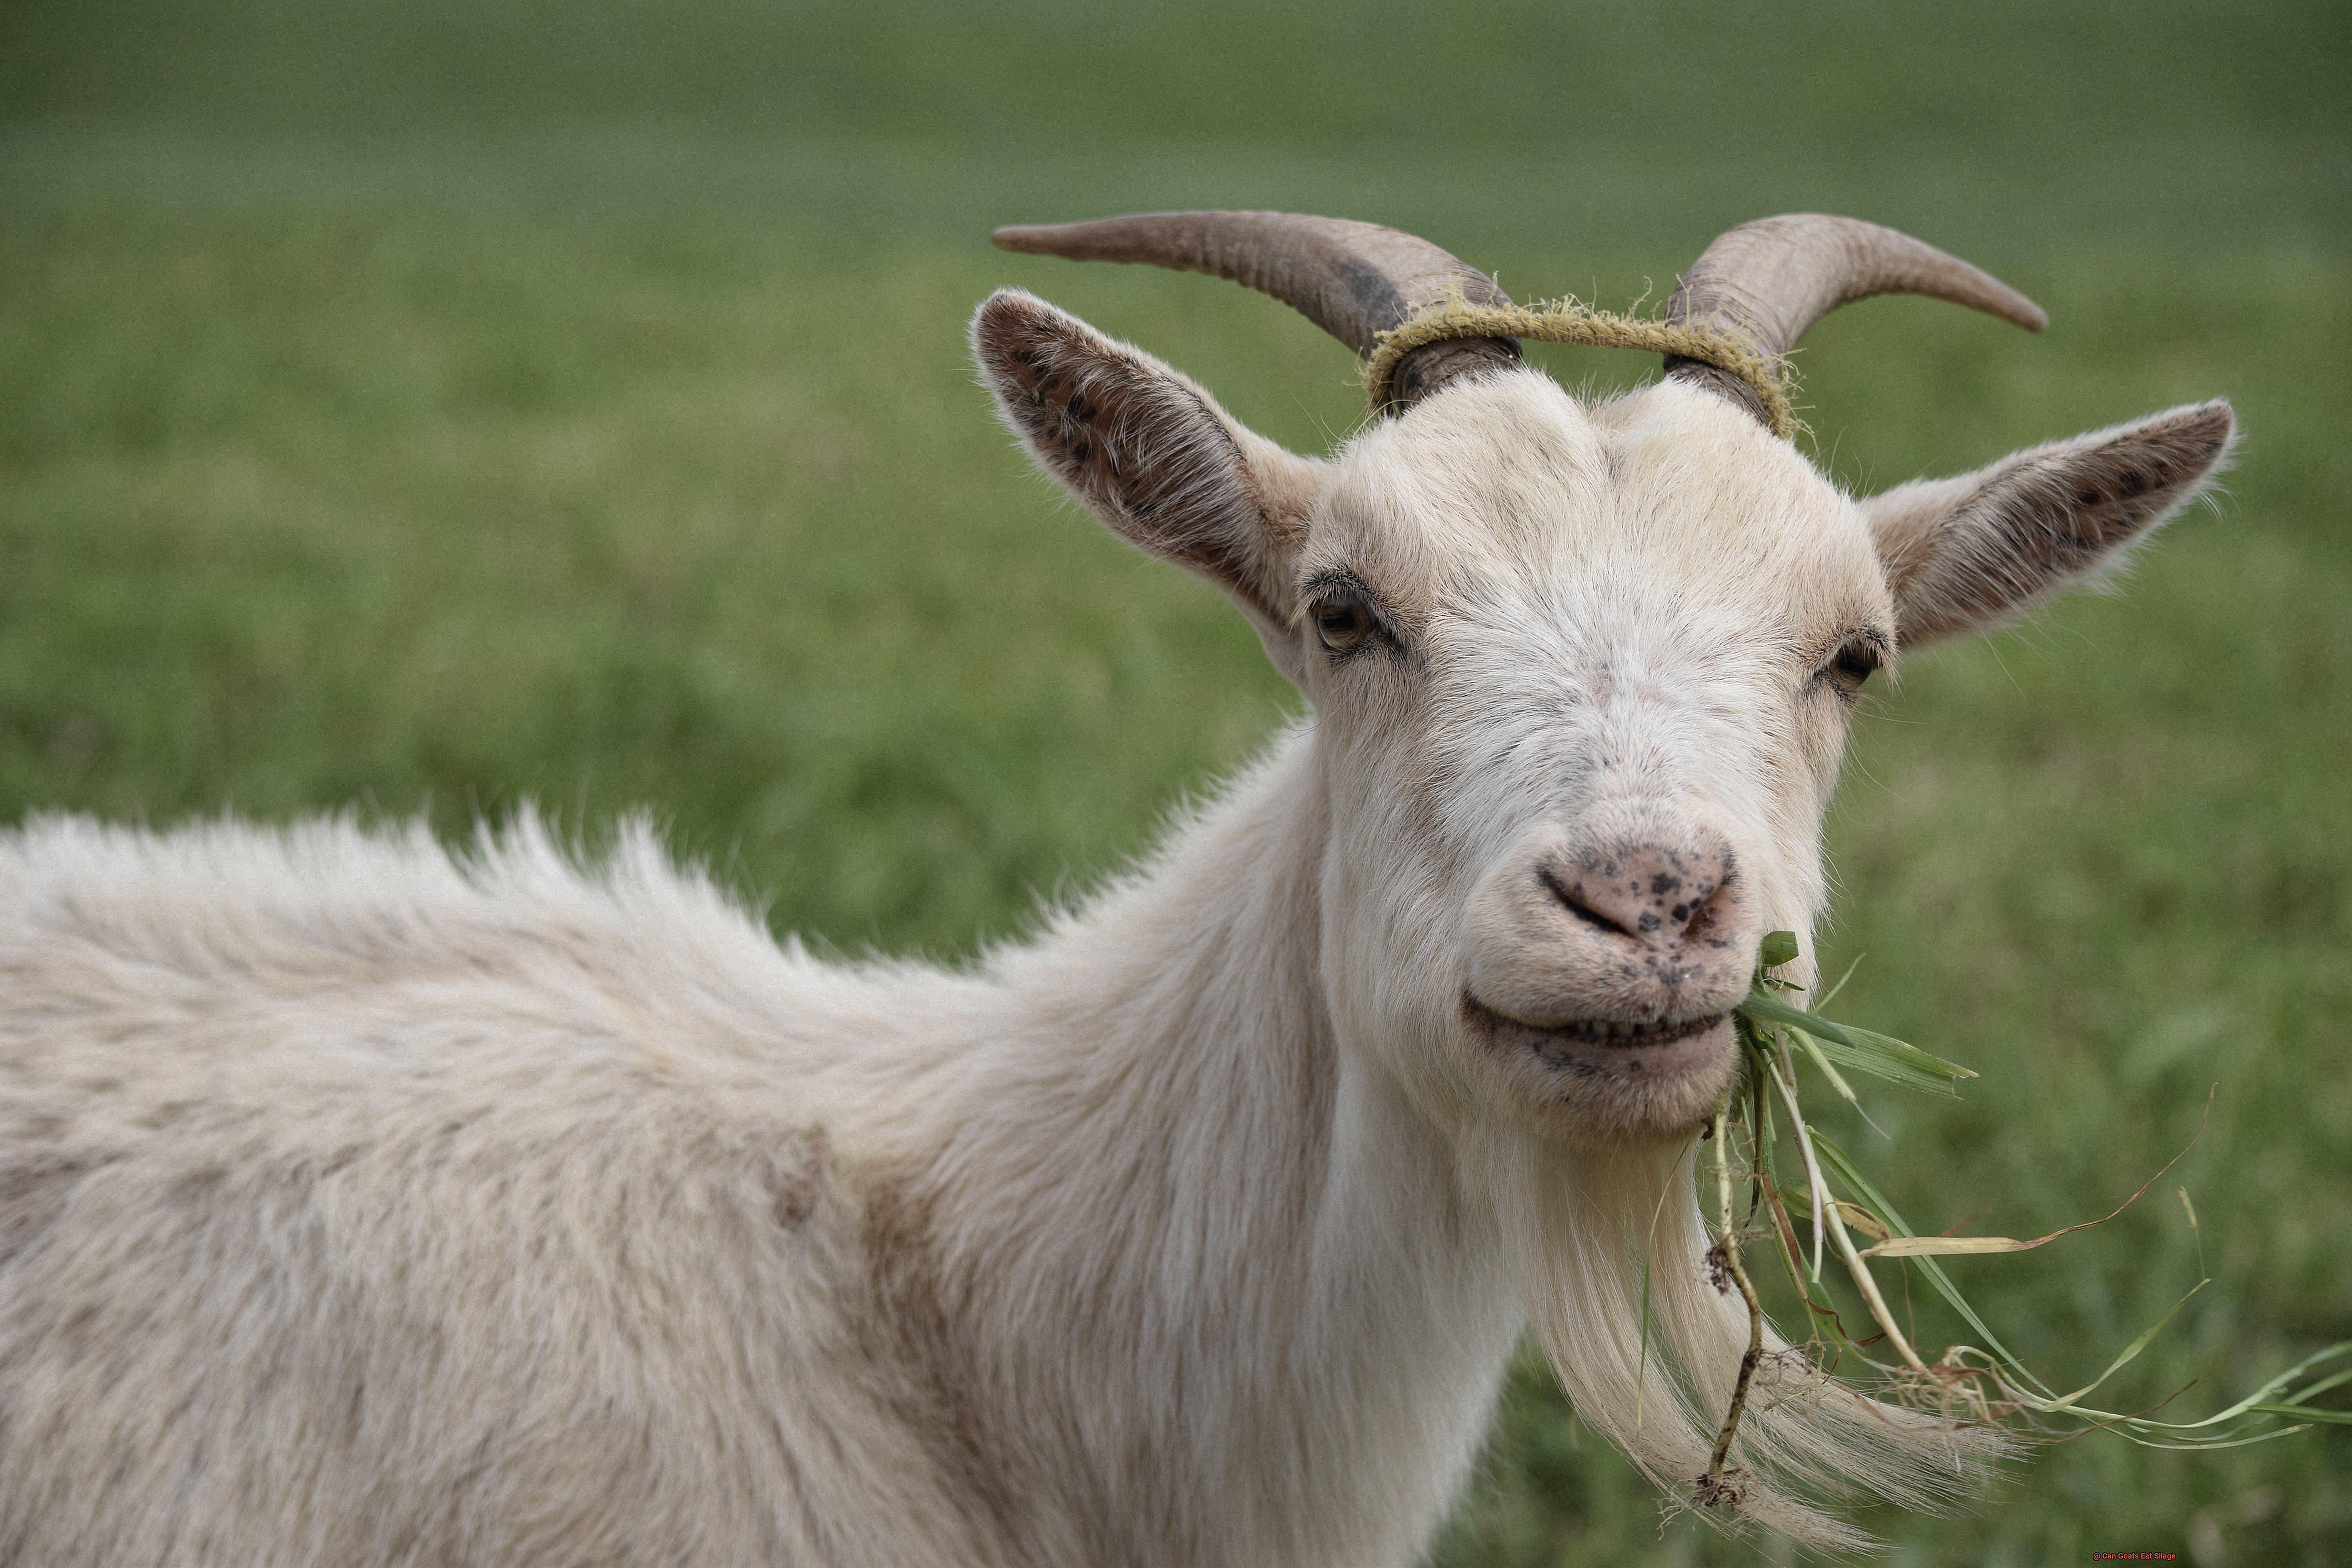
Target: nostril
(1709, 909)
(1578, 906)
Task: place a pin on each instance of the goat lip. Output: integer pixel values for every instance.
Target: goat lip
(1687, 1050)
(1607, 1034)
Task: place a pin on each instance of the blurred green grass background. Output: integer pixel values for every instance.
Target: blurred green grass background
(438, 406)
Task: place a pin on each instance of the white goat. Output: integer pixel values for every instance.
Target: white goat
(362, 1206)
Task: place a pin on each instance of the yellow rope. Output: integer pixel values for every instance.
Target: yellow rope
(1567, 322)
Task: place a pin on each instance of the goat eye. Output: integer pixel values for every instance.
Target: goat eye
(1853, 663)
(1341, 624)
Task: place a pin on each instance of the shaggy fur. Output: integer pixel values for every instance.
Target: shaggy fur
(365, 1205)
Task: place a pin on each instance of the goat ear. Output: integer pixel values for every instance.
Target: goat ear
(1154, 457)
(1968, 554)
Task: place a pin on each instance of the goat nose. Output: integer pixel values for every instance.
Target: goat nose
(1667, 895)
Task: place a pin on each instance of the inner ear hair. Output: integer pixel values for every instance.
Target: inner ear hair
(1967, 554)
(1146, 450)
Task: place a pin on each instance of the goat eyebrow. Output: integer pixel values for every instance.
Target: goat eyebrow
(1332, 577)
(1876, 636)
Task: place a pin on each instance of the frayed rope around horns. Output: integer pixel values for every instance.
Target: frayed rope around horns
(1569, 321)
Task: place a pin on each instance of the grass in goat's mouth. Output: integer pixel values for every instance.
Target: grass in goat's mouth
(1808, 1209)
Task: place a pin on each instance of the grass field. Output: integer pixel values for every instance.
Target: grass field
(434, 407)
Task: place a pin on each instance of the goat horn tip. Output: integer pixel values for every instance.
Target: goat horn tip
(1037, 239)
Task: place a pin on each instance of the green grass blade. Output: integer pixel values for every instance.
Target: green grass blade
(1830, 995)
(2210, 1447)
(2304, 1413)
(2283, 1380)
(2322, 1386)
(1905, 1053)
(1837, 1080)
(1862, 1050)
(1761, 1006)
(1835, 1157)
(1891, 1059)
(2131, 1349)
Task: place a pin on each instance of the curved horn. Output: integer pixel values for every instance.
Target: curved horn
(1355, 281)
(1771, 279)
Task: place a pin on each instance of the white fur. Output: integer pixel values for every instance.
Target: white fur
(358, 1205)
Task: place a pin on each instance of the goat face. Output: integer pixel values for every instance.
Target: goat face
(1581, 675)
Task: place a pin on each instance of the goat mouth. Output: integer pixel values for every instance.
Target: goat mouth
(1616, 1080)
(1602, 1032)
(1615, 1032)
(1668, 1051)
